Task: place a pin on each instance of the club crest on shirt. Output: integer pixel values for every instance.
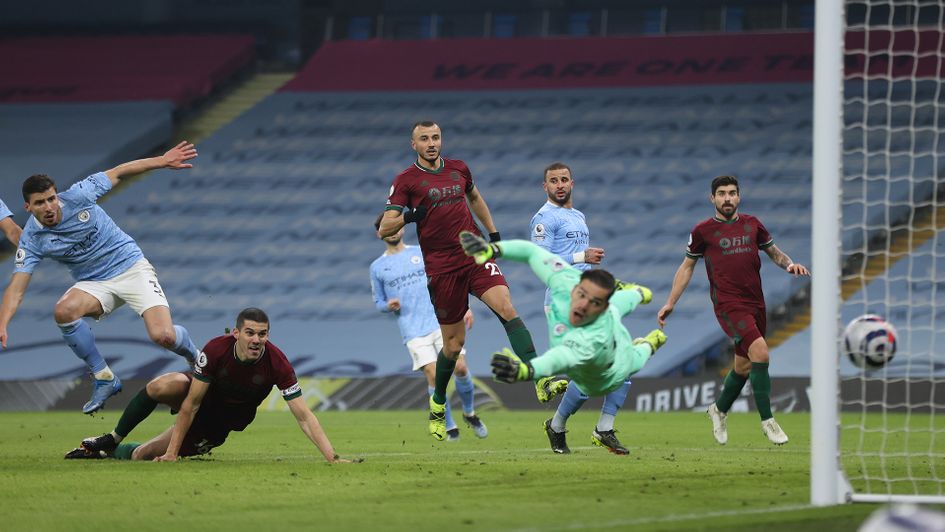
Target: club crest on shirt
(84, 216)
(415, 259)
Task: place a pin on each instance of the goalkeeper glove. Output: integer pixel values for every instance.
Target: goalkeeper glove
(646, 295)
(507, 367)
(476, 247)
(415, 215)
(495, 237)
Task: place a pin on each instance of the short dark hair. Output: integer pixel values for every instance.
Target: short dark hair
(251, 314)
(601, 278)
(724, 180)
(36, 183)
(377, 222)
(557, 165)
(422, 123)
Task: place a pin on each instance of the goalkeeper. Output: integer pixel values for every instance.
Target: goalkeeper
(588, 341)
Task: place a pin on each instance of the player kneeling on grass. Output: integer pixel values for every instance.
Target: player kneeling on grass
(233, 375)
(588, 341)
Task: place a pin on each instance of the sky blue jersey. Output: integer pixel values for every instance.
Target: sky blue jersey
(402, 276)
(4, 210)
(560, 231)
(86, 240)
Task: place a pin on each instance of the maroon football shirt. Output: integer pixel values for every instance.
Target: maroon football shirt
(443, 193)
(237, 388)
(731, 256)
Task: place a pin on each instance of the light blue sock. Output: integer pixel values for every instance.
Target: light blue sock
(572, 401)
(184, 346)
(466, 389)
(79, 336)
(450, 423)
(612, 403)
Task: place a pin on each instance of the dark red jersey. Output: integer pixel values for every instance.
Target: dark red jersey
(730, 249)
(237, 388)
(443, 193)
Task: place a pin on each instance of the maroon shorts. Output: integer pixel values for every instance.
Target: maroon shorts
(743, 324)
(449, 292)
(208, 430)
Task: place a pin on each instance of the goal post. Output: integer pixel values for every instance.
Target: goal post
(878, 247)
(825, 252)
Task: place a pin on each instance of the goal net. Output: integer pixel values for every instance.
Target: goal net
(891, 242)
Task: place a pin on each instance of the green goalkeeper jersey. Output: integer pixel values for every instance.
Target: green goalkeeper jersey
(598, 356)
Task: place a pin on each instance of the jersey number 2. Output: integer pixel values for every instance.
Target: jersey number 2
(493, 268)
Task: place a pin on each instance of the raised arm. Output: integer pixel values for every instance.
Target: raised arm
(175, 159)
(784, 262)
(12, 298)
(313, 429)
(680, 282)
(185, 418)
(477, 204)
(11, 230)
(543, 263)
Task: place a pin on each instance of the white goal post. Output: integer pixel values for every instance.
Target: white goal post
(878, 246)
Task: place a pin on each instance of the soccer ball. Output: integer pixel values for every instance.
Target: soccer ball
(869, 341)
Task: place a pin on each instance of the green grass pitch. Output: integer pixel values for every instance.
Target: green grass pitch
(676, 477)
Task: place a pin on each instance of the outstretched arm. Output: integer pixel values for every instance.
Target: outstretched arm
(185, 418)
(680, 282)
(12, 298)
(175, 159)
(477, 204)
(784, 262)
(313, 429)
(11, 230)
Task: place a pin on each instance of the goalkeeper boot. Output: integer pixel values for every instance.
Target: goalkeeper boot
(105, 443)
(608, 440)
(476, 424)
(80, 453)
(548, 387)
(559, 443)
(646, 295)
(773, 431)
(656, 339)
(719, 425)
(452, 434)
(437, 420)
(102, 391)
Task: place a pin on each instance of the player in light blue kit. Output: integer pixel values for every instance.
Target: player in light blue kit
(8, 226)
(107, 264)
(562, 230)
(399, 286)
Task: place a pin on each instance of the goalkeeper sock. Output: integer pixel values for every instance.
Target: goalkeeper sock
(444, 370)
(124, 450)
(730, 390)
(137, 410)
(520, 339)
(612, 403)
(761, 388)
(450, 423)
(465, 389)
(571, 402)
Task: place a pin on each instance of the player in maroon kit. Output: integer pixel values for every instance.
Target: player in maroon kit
(436, 190)
(232, 376)
(730, 242)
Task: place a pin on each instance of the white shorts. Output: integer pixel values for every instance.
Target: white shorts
(138, 286)
(424, 349)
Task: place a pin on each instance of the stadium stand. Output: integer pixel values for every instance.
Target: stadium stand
(278, 210)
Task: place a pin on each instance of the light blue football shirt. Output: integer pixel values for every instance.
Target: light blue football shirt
(4, 210)
(560, 231)
(402, 276)
(86, 240)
